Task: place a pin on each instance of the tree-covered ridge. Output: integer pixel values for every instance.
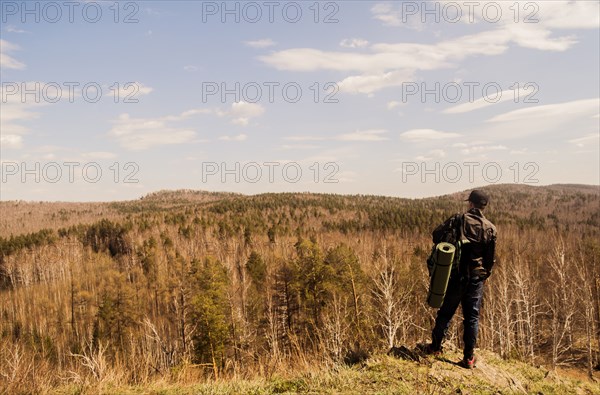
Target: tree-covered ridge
(554, 205)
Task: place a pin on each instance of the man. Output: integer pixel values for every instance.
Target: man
(465, 286)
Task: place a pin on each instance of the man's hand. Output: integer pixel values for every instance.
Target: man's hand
(481, 272)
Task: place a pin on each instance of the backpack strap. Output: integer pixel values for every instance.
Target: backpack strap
(461, 229)
(460, 241)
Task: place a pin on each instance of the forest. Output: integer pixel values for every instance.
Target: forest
(191, 285)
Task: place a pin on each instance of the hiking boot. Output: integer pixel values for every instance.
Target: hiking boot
(468, 363)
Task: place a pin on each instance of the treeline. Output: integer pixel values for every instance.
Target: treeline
(12, 244)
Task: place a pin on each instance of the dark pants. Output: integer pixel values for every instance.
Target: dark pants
(465, 291)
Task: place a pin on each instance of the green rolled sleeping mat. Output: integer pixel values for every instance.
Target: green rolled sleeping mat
(444, 255)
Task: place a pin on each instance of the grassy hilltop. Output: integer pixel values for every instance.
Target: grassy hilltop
(380, 374)
(203, 292)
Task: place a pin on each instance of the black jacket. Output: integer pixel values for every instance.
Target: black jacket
(477, 256)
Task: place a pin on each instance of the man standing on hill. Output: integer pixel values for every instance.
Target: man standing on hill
(466, 282)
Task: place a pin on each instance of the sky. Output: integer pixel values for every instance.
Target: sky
(106, 101)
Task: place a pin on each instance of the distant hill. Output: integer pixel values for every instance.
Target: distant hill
(508, 200)
(186, 195)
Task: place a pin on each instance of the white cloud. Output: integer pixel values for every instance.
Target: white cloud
(363, 135)
(438, 153)
(538, 38)
(370, 83)
(393, 104)
(392, 57)
(239, 137)
(359, 135)
(129, 91)
(246, 109)
(242, 112)
(570, 14)
(190, 67)
(354, 43)
(478, 149)
(143, 133)
(189, 113)
(14, 29)
(560, 110)
(490, 100)
(551, 119)
(11, 141)
(263, 43)
(345, 176)
(6, 61)
(240, 121)
(563, 14)
(543, 17)
(14, 112)
(418, 135)
(433, 154)
(390, 16)
(588, 140)
(387, 14)
(378, 61)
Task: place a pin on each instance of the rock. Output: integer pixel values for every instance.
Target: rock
(404, 353)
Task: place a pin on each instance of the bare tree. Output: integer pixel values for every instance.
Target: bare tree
(393, 301)
(336, 327)
(561, 304)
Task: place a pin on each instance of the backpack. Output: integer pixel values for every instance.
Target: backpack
(451, 231)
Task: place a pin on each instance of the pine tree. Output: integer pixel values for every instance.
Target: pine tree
(211, 312)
